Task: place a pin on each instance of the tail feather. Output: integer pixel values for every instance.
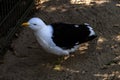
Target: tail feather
(91, 37)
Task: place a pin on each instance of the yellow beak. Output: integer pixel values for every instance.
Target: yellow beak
(26, 24)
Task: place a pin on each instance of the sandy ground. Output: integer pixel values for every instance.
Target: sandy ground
(96, 60)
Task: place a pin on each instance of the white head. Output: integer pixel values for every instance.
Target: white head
(35, 24)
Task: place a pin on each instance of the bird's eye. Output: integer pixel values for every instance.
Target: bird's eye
(34, 24)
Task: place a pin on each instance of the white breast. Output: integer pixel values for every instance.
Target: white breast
(44, 36)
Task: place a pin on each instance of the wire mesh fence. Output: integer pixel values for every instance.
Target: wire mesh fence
(12, 12)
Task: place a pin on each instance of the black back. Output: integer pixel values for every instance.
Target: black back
(69, 35)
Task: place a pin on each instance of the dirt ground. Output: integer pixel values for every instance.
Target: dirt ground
(96, 60)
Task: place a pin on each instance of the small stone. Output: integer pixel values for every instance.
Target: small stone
(116, 25)
(83, 72)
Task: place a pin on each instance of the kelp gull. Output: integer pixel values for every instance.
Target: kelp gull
(60, 38)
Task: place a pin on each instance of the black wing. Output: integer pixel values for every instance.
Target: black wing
(69, 35)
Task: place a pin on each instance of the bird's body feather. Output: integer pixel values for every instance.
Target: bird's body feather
(61, 38)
